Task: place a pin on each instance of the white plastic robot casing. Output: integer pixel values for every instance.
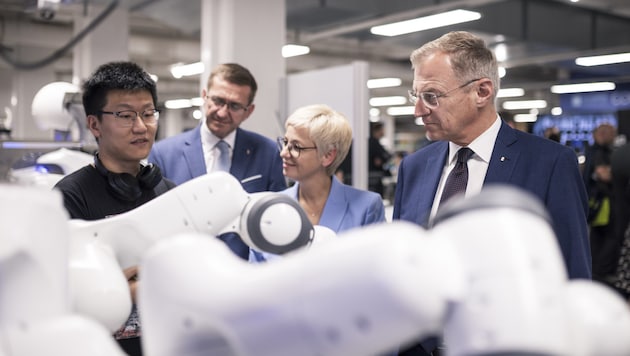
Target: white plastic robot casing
(489, 278)
(210, 204)
(35, 312)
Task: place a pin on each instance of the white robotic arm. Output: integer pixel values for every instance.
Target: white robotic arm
(357, 295)
(489, 278)
(35, 315)
(210, 204)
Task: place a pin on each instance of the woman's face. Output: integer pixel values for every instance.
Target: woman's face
(300, 158)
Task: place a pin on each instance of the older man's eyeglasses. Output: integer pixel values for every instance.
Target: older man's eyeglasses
(232, 106)
(430, 99)
(294, 150)
(126, 118)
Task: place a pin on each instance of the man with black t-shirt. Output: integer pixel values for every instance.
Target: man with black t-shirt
(120, 104)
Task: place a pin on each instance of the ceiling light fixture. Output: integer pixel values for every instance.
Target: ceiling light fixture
(556, 111)
(525, 118)
(388, 101)
(401, 111)
(177, 104)
(425, 23)
(384, 83)
(291, 50)
(184, 70)
(510, 92)
(524, 104)
(602, 60)
(582, 87)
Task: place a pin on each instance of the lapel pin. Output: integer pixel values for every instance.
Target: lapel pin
(503, 158)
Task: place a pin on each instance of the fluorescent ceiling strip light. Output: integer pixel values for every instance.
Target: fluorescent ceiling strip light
(602, 60)
(524, 104)
(510, 92)
(401, 110)
(291, 50)
(425, 23)
(184, 70)
(178, 104)
(582, 87)
(525, 118)
(384, 83)
(198, 101)
(388, 101)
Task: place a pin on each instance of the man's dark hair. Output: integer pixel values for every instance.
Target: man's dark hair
(236, 74)
(126, 76)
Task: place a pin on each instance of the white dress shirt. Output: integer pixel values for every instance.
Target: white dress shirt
(477, 164)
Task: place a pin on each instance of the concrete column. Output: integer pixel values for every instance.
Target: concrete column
(251, 33)
(109, 41)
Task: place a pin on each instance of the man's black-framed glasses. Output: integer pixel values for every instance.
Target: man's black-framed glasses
(294, 150)
(232, 106)
(430, 99)
(126, 118)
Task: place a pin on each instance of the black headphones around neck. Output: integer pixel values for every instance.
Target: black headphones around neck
(125, 186)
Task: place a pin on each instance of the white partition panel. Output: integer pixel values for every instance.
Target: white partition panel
(344, 89)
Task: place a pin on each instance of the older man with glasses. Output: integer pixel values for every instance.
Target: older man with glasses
(219, 144)
(455, 83)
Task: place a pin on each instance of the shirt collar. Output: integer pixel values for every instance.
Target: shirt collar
(210, 140)
(482, 145)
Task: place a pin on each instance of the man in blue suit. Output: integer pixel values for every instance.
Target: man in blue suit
(253, 158)
(454, 90)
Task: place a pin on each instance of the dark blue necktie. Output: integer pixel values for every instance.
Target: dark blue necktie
(458, 178)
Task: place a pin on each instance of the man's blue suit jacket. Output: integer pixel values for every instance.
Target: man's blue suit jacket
(540, 166)
(256, 161)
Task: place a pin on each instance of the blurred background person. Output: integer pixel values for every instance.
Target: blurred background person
(620, 168)
(378, 158)
(598, 181)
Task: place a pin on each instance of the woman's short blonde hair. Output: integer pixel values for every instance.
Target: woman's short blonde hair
(327, 128)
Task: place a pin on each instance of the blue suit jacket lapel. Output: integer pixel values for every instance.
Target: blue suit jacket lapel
(193, 153)
(504, 156)
(241, 155)
(429, 181)
(335, 208)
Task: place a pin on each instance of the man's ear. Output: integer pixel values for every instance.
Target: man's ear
(485, 91)
(94, 125)
(250, 110)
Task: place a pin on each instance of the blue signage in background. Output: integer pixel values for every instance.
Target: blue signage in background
(603, 101)
(575, 129)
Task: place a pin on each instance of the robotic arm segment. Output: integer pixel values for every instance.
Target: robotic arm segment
(206, 204)
(275, 223)
(35, 315)
(364, 299)
(209, 204)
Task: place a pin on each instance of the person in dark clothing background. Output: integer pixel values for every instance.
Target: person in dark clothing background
(378, 158)
(598, 182)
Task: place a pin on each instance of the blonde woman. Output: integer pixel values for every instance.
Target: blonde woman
(316, 141)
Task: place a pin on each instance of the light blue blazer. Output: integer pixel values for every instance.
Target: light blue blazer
(346, 208)
(256, 162)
